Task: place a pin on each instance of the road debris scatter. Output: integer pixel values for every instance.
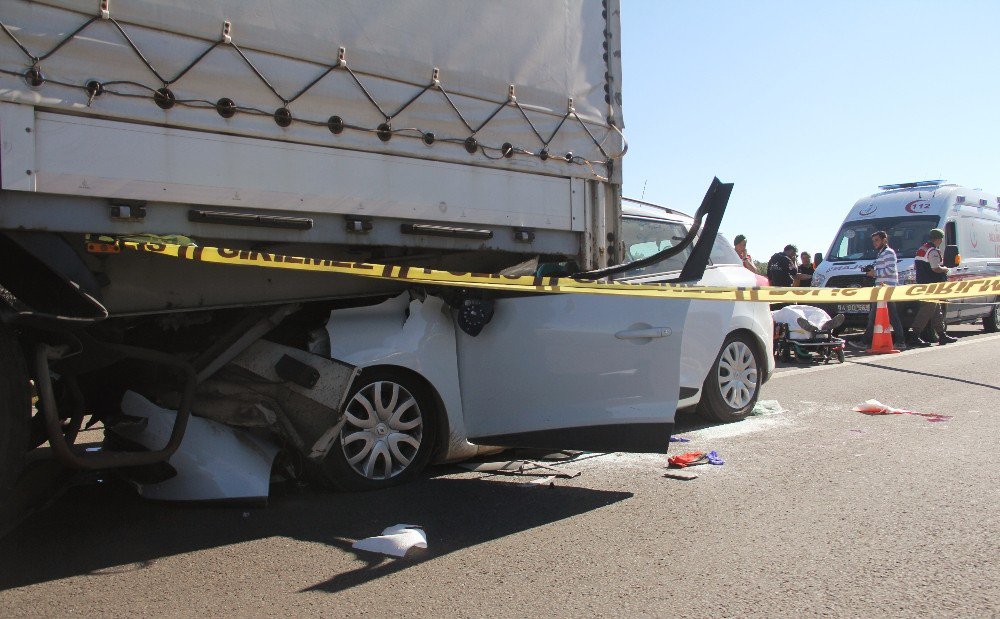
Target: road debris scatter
(693, 458)
(519, 467)
(548, 480)
(874, 407)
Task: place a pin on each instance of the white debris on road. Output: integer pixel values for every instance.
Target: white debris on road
(395, 541)
(767, 407)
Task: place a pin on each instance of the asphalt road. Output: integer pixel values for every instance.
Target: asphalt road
(817, 510)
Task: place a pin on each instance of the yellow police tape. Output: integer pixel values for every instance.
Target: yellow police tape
(430, 277)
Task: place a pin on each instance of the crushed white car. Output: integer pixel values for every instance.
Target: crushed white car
(385, 389)
(589, 372)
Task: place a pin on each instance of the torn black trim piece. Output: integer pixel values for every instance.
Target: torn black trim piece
(697, 262)
(713, 205)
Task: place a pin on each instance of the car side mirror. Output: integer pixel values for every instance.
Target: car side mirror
(951, 256)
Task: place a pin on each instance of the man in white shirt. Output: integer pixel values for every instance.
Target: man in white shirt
(885, 274)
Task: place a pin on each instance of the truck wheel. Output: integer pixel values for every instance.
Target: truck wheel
(388, 435)
(732, 386)
(991, 322)
(15, 411)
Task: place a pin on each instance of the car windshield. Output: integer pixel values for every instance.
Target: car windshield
(906, 235)
(645, 237)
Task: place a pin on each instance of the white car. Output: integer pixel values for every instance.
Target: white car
(591, 372)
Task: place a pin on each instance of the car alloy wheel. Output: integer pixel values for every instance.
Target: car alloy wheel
(389, 432)
(738, 376)
(383, 430)
(732, 386)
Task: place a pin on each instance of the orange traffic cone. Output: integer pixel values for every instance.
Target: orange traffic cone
(882, 337)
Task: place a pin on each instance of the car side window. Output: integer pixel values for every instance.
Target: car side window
(723, 252)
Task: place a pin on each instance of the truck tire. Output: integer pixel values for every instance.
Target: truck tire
(991, 322)
(388, 435)
(15, 410)
(733, 384)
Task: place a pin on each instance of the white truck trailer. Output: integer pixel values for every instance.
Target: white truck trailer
(471, 136)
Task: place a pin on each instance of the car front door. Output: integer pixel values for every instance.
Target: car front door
(574, 371)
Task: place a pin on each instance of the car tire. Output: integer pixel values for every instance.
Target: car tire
(991, 322)
(388, 434)
(15, 411)
(733, 385)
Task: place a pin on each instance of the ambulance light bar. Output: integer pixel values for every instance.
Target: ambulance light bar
(910, 185)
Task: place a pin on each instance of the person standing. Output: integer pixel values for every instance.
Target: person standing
(806, 270)
(740, 245)
(884, 272)
(781, 269)
(929, 263)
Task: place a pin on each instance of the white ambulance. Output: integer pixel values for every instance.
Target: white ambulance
(969, 217)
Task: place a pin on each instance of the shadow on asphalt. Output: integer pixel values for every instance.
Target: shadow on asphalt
(928, 374)
(101, 529)
(690, 421)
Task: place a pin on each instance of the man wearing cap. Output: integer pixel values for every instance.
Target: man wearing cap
(929, 263)
(740, 245)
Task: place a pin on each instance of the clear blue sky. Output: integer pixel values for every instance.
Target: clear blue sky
(807, 106)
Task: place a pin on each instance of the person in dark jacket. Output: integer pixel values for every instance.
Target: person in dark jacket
(929, 264)
(781, 269)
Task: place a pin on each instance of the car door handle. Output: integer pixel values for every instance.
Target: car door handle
(643, 334)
